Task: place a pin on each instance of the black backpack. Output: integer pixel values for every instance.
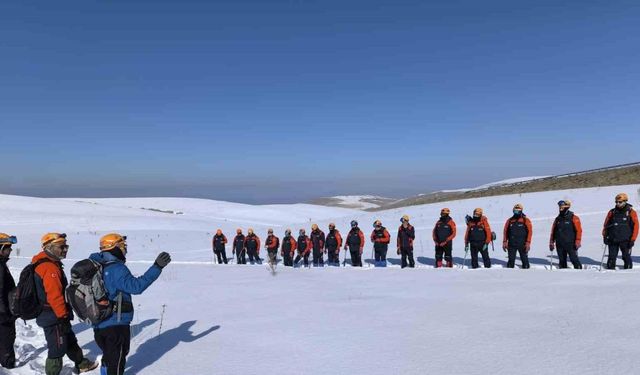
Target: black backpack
(24, 302)
(87, 294)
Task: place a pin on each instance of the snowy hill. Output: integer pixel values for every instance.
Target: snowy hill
(360, 202)
(230, 319)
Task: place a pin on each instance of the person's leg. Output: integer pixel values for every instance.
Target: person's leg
(562, 255)
(573, 256)
(7, 339)
(524, 257)
(114, 342)
(448, 254)
(626, 255)
(474, 249)
(511, 252)
(439, 256)
(613, 256)
(486, 259)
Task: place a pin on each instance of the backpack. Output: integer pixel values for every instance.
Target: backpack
(86, 293)
(24, 302)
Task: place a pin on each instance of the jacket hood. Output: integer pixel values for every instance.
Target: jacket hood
(104, 257)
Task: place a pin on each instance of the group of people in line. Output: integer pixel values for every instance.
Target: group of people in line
(619, 233)
(112, 335)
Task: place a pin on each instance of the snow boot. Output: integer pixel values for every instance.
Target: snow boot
(449, 264)
(85, 366)
(438, 264)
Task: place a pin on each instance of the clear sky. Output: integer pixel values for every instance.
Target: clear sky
(282, 101)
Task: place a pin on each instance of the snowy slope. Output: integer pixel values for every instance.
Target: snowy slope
(242, 320)
(495, 184)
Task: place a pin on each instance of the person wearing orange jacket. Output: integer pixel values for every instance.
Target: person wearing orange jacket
(56, 316)
(252, 244)
(289, 246)
(477, 238)
(406, 236)
(517, 237)
(304, 248)
(219, 243)
(381, 239)
(566, 235)
(355, 243)
(332, 245)
(272, 244)
(443, 234)
(620, 231)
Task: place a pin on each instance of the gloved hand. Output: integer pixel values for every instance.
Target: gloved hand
(527, 247)
(485, 247)
(504, 246)
(631, 243)
(398, 251)
(65, 325)
(605, 240)
(467, 247)
(162, 260)
(552, 246)
(578, 245)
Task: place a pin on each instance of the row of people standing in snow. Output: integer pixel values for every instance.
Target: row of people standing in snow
(43, 293)
(619, 232)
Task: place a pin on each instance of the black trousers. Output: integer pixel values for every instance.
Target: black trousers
(222, 256)
(60, 341)
(333, 256)
(407, 257)
(305, 257)
(288, 260)
(241, 256)
(273, 255)
(380, 252)
(318, 259)
(114, 342)
(478, 247)
(253, 256)
(622, 247)
(444, 252)
(7, 339)
(356, 258)
(568, 249)
(524, 257)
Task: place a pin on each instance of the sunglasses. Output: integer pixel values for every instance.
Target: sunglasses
(9, 240)
(619, 202)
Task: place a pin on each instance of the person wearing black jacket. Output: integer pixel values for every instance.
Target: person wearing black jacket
(406, 236)
(239, 247)
(7, 321)
(219, 246)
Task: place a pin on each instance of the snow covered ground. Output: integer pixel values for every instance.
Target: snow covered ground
(243, 320)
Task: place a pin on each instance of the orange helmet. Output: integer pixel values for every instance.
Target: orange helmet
(219, 232)
(239, 231)
(53, 238)
(478, 211)
(111, 241)
(518, 206)
(622, 197)
(314, 226)
(445, 211)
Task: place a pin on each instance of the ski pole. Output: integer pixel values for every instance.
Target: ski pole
(550, 261)
(604, 250)
(464, 261)
(161, 319)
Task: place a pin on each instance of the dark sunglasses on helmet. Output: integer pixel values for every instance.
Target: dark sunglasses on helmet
(9, 240)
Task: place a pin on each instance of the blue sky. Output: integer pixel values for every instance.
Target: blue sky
(283, 101)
